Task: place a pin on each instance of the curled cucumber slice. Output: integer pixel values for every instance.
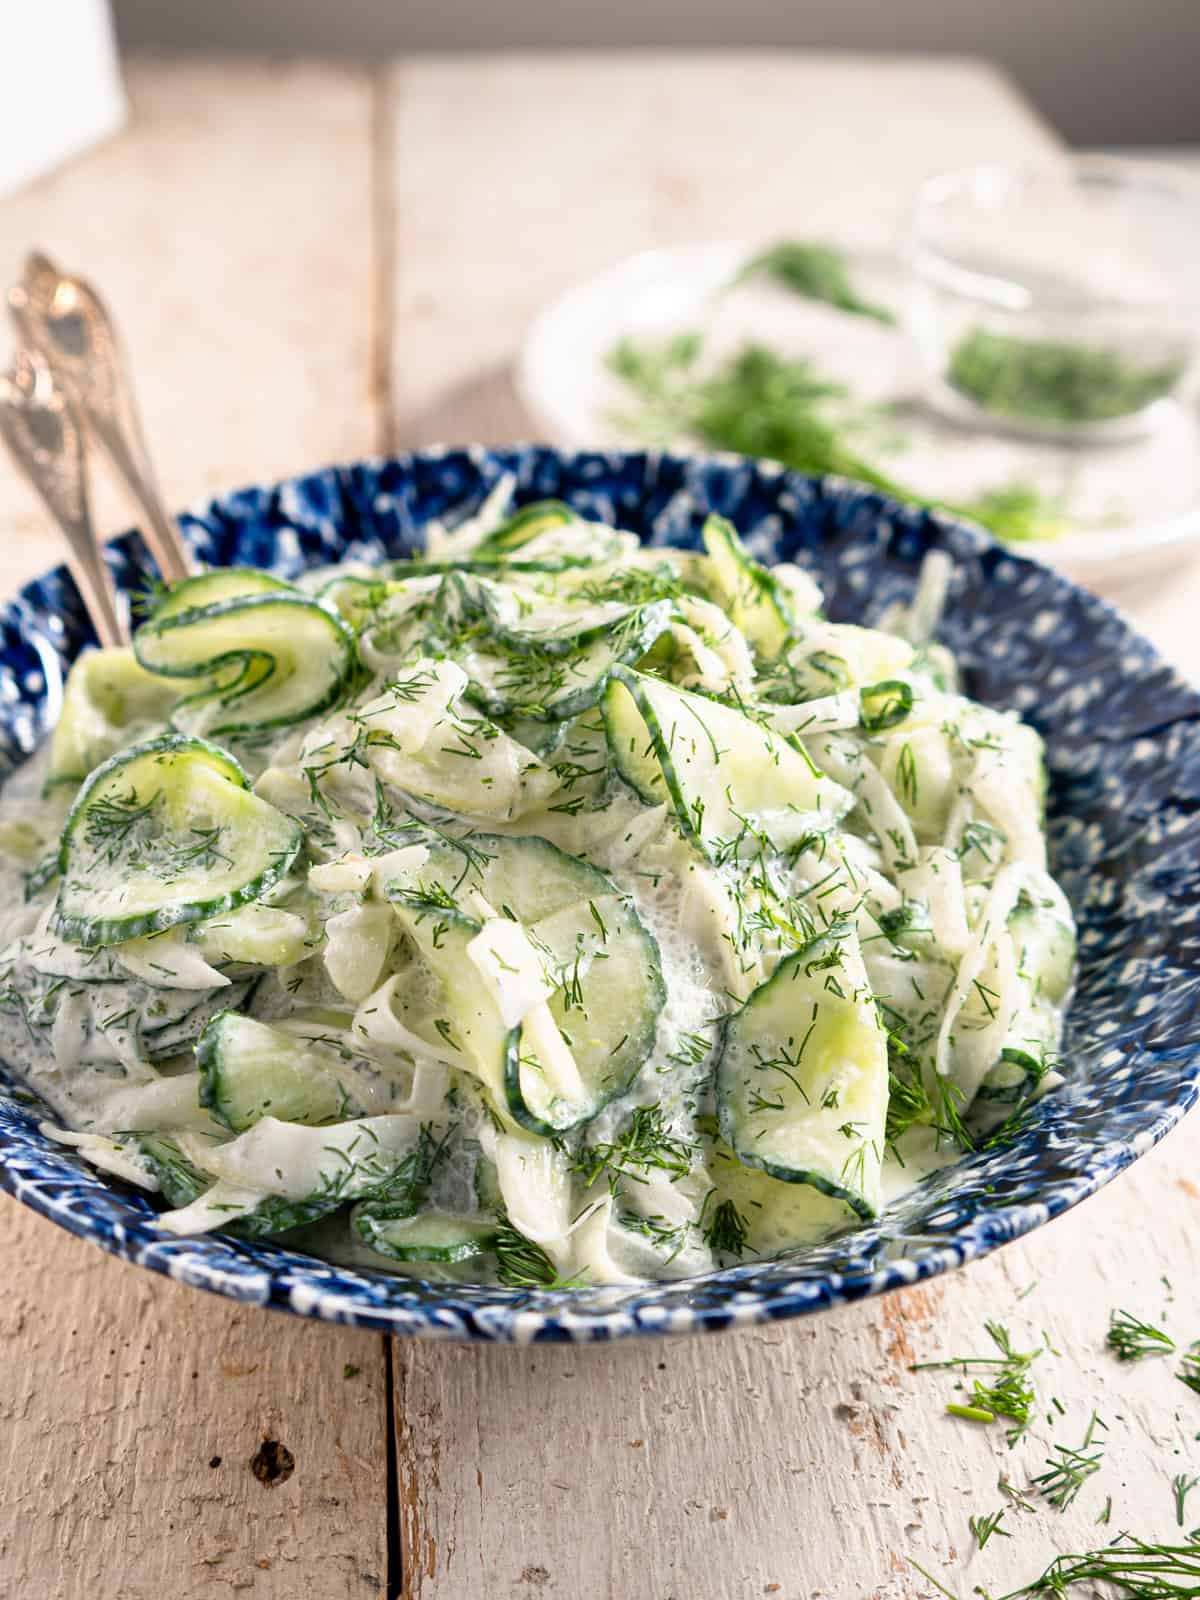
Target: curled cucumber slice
(108, 699)
(802, 1081)
(249, 1070)
(754, 599)
(265, 660)
(432, 1236)
(602, 968)
(727, 776)
(167, 832)
(208, 588)
(525, 525)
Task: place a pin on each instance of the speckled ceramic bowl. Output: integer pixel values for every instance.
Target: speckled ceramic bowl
(1123, 744)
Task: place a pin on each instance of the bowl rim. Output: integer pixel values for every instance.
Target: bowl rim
(482, 1313)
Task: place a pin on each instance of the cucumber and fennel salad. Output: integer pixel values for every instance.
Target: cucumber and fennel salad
(547, 910)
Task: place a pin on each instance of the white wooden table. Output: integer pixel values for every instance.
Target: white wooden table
(314, 262)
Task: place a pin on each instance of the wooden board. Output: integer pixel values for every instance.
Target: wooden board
(231, 231)
(806, 1455)
(311, 261)
(230, 228)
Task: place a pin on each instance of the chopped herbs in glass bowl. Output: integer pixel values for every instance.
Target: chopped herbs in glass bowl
(1059, 302)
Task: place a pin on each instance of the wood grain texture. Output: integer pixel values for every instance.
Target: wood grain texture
(231, 229)
(130, 1411)
(805, 1459)
(517, 175)
(244, 232)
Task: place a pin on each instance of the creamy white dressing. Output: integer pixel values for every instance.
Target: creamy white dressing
(926, 874)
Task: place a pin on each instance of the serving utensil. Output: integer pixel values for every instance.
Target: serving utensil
(45, 437)
(64, 320)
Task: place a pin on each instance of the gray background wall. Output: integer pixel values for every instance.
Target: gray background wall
(1103, 71)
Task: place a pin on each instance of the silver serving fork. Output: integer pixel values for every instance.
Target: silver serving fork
(63, 319)
(44, 434)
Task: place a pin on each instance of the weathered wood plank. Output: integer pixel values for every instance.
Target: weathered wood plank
(517, 175)
(232, 229)
(806, 1455)
(130, 1411)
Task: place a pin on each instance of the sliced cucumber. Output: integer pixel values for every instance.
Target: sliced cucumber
(107, 699)
(602, 964)
(726, 775)
(171, 1020)
(1045, 946)
(756, 604)
(525, 525)
(179, 1179)
(550, 665)
(802, 1081)
(432, 1236)
(165, 833)
(268, 660)
(207, 588)
(249, 1070)
(182, 1183)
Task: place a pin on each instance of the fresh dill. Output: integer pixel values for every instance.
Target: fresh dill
(111, 822)
(1068, 1469)
(1043, 380)
(727, 1230)
(522, 1264)
(815, 271)
(1181, 1486)
(645, 1142)
(1008, 1394)
(984, 1527)
(1189, 1371)
(1131, 1339)
(1131, 1567)
(759, 403)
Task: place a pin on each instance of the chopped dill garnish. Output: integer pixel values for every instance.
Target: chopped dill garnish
(984, 1527)
(643, 1143)
(1068, 1469)
(1131, 1339)
(726, 1233)
(1009, 1394)
(815, 271)
(1181, 1486)
(522, 1264)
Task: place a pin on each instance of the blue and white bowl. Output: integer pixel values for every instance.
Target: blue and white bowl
(1122, 738)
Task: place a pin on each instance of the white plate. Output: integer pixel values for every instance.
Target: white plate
(1134, 505)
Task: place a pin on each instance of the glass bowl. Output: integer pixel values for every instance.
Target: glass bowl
(1059, 302)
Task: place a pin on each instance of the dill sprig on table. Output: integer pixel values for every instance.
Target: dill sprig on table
(984, 1527)
(1068, 1469)
(1131, 1339)
(1181, 1486)
(1009, 1394)
(1133, 1568)
(815, 271)
(1189, 1372)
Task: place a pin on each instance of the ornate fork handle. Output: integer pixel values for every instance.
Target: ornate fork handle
(44, 435)
(66, 322)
